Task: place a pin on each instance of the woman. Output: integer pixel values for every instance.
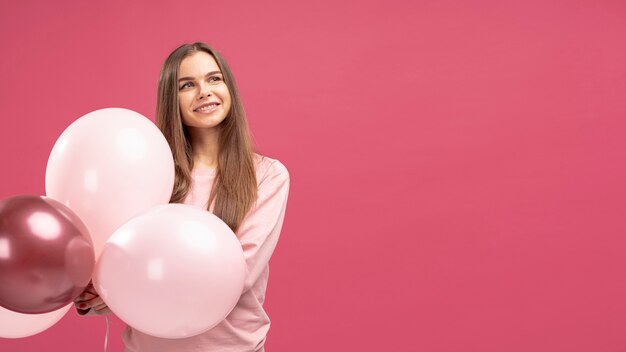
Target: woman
(201, 115)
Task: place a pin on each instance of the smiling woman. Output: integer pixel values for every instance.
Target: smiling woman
(201, 115)
(203, 96)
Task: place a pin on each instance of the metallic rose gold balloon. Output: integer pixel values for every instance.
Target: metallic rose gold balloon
(46, 255)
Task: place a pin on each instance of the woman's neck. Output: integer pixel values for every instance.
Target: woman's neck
(204, 145)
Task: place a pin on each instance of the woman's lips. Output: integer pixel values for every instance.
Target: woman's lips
(207, 108)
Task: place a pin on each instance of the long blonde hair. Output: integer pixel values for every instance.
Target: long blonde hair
(234, 189)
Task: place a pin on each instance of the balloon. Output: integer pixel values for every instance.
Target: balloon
(172, 272)
(46, 255)
(109, 166)
(15, 325)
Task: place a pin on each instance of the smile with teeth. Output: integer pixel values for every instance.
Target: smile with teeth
(207, 108)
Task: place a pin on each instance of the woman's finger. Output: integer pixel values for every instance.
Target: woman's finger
(99, 304)
(96, 301)
(91, 290)
(101, 307)
(84, 297)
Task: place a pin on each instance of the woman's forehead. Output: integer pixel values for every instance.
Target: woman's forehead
(198, 64)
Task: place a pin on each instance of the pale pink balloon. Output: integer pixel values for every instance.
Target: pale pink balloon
(109, 166)
(15, 325)
(172, 272)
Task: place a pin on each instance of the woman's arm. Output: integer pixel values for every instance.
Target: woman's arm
(260, 230)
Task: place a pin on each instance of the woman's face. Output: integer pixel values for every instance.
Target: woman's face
(203, 96)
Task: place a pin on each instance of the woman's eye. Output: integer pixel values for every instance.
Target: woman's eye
(186, 85)
(215, 79)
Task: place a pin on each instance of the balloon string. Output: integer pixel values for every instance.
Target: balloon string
(106, 335)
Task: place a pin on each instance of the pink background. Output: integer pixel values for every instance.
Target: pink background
(458, 168)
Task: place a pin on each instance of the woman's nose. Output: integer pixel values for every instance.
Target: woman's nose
(205, 91)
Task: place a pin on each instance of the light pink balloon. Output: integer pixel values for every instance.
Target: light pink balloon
(172, 272)
(109, 166)
(15, 325)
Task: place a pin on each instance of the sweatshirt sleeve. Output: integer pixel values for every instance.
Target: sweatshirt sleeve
(259, 231)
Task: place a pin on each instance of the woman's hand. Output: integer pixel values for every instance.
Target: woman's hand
(89, 302)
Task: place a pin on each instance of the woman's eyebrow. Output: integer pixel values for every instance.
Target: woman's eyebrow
(191, 78)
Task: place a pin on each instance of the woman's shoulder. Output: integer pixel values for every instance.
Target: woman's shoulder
(267, 167)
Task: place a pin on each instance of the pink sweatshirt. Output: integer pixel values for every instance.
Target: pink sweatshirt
(245, 328)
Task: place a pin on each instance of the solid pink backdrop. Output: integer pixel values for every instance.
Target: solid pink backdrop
(457, 169)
